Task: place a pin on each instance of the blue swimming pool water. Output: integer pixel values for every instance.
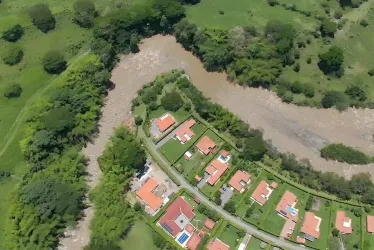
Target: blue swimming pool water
(183, 238)
(291, 210)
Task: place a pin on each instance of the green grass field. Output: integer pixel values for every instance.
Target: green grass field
(230, 236)
(368, 238)
(139, 237)
(242, 13)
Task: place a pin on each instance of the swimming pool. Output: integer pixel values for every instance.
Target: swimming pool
(182, 239)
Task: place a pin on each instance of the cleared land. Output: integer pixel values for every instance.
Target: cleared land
(139, 237)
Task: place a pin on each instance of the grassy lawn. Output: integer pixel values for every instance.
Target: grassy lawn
(231, 236)
(314, 6)
(180, 115)
(351, 239)
(173, 149)
(139, 237)
(254, 244)
(368, 238)
(242, 12)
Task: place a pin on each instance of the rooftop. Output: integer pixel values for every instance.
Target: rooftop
(343, 223)
(184, 133)
(194, 242)
(146, 194)
(370, 224)
(215, 169)
(261, 193)
(165, 122)
(224, 153)
(239, 180)
(205, 145)
(311, 225)
(286, 206)
(216, 244)
(179, 209)
(209, 224)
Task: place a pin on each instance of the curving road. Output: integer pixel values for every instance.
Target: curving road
(235, 220)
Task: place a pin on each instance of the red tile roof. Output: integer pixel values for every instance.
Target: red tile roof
(224, 153)
(216, 244)
(185, 129)
(311, 225)
(300, 240)
(208, 223)
(370, 224)
(288, 200)
(238, 178)
(274, 185)
(197, 200)
(215, 169)
(165, 122)
(342, 223)
(205, 145)
(179, 206)
(260, 191)
(145, 194)
(194, 242)
(189, 228)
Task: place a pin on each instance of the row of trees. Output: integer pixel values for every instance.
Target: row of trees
(343, 153)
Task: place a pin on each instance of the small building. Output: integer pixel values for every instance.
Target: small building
(194, 242)
(209, 224)
(215, 169)
(185, 133)
(177, 216)
(262, 193)
(286, 206)
(240, 180)
(216, 244)
(370, 224)
(311, 226)
(197, 200)
(300, 240)
(342, 223)
(206, 145)
(165, 122)
(224, 156)
(147, 197)
(187, 156)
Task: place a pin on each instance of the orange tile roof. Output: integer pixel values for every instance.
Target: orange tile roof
(311, 225)
(215, 169)
(145, 194)
(260, 191)
(165, 122)
(189, 228)
(370, 224)
(208, 223)
(288, 200)
(194, 242)
(300, 240)
(205, 145)
(342, 223)
(185, 129)
(239, 177)
(216, 244)
(224, 153)
(274, 185)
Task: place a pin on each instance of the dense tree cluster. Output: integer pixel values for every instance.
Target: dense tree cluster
(13, 55)
(342, 153)
(54, 62)
(85, 13)
(172, 101)
(335, 98)
(13, 91)
(13, 34)
(42, 17)
(331, 61)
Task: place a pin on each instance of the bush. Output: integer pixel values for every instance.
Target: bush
(364, 23)
(54, 62)
(273, 2)
(13, 55)
(344, 153)
(13, 34)
(309, 60)
(296, 68)
(308, 90)
(172, 101)
(331, 61)
(85, 13)
(335, 232)
(338, 14)
(357, 212)
(138, 120)
(333, 97)
(13, 91)
(42, 17)
(356, 93)
(371, 72)
(328, 28)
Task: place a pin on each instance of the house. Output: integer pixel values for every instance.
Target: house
(216, 244)
(370, 224)
(240, 180)
(262, 192)
(224, 156)
(194, 242)
(206, 145)
(286, 206)
(209, 224)
(215, 169)
(311, 226)
(165, 122)
(146, 195)
(184, 133)
(343, 223)
(177, 216)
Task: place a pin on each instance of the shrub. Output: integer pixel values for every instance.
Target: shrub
(13, 34)
(309, 60)
(273, 2)
(364, 23)
(296, 68)
(54, 62)
(13, 91)
(172, 101)
(138, 120)
(42, 17)
(344, 153)
(333, 97)
(335, 232)
(338, 14)
(331, 61)
(85, 13)
(308, 90)
(328, 28)
(371, 72)
(13, 55)
(367, 209)
(356, 93)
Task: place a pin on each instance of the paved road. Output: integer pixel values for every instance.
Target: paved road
(277, 241)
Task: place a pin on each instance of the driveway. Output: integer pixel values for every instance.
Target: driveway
(226, 194)
(202, 182)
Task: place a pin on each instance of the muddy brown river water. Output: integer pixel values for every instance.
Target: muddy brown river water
(299, 130)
